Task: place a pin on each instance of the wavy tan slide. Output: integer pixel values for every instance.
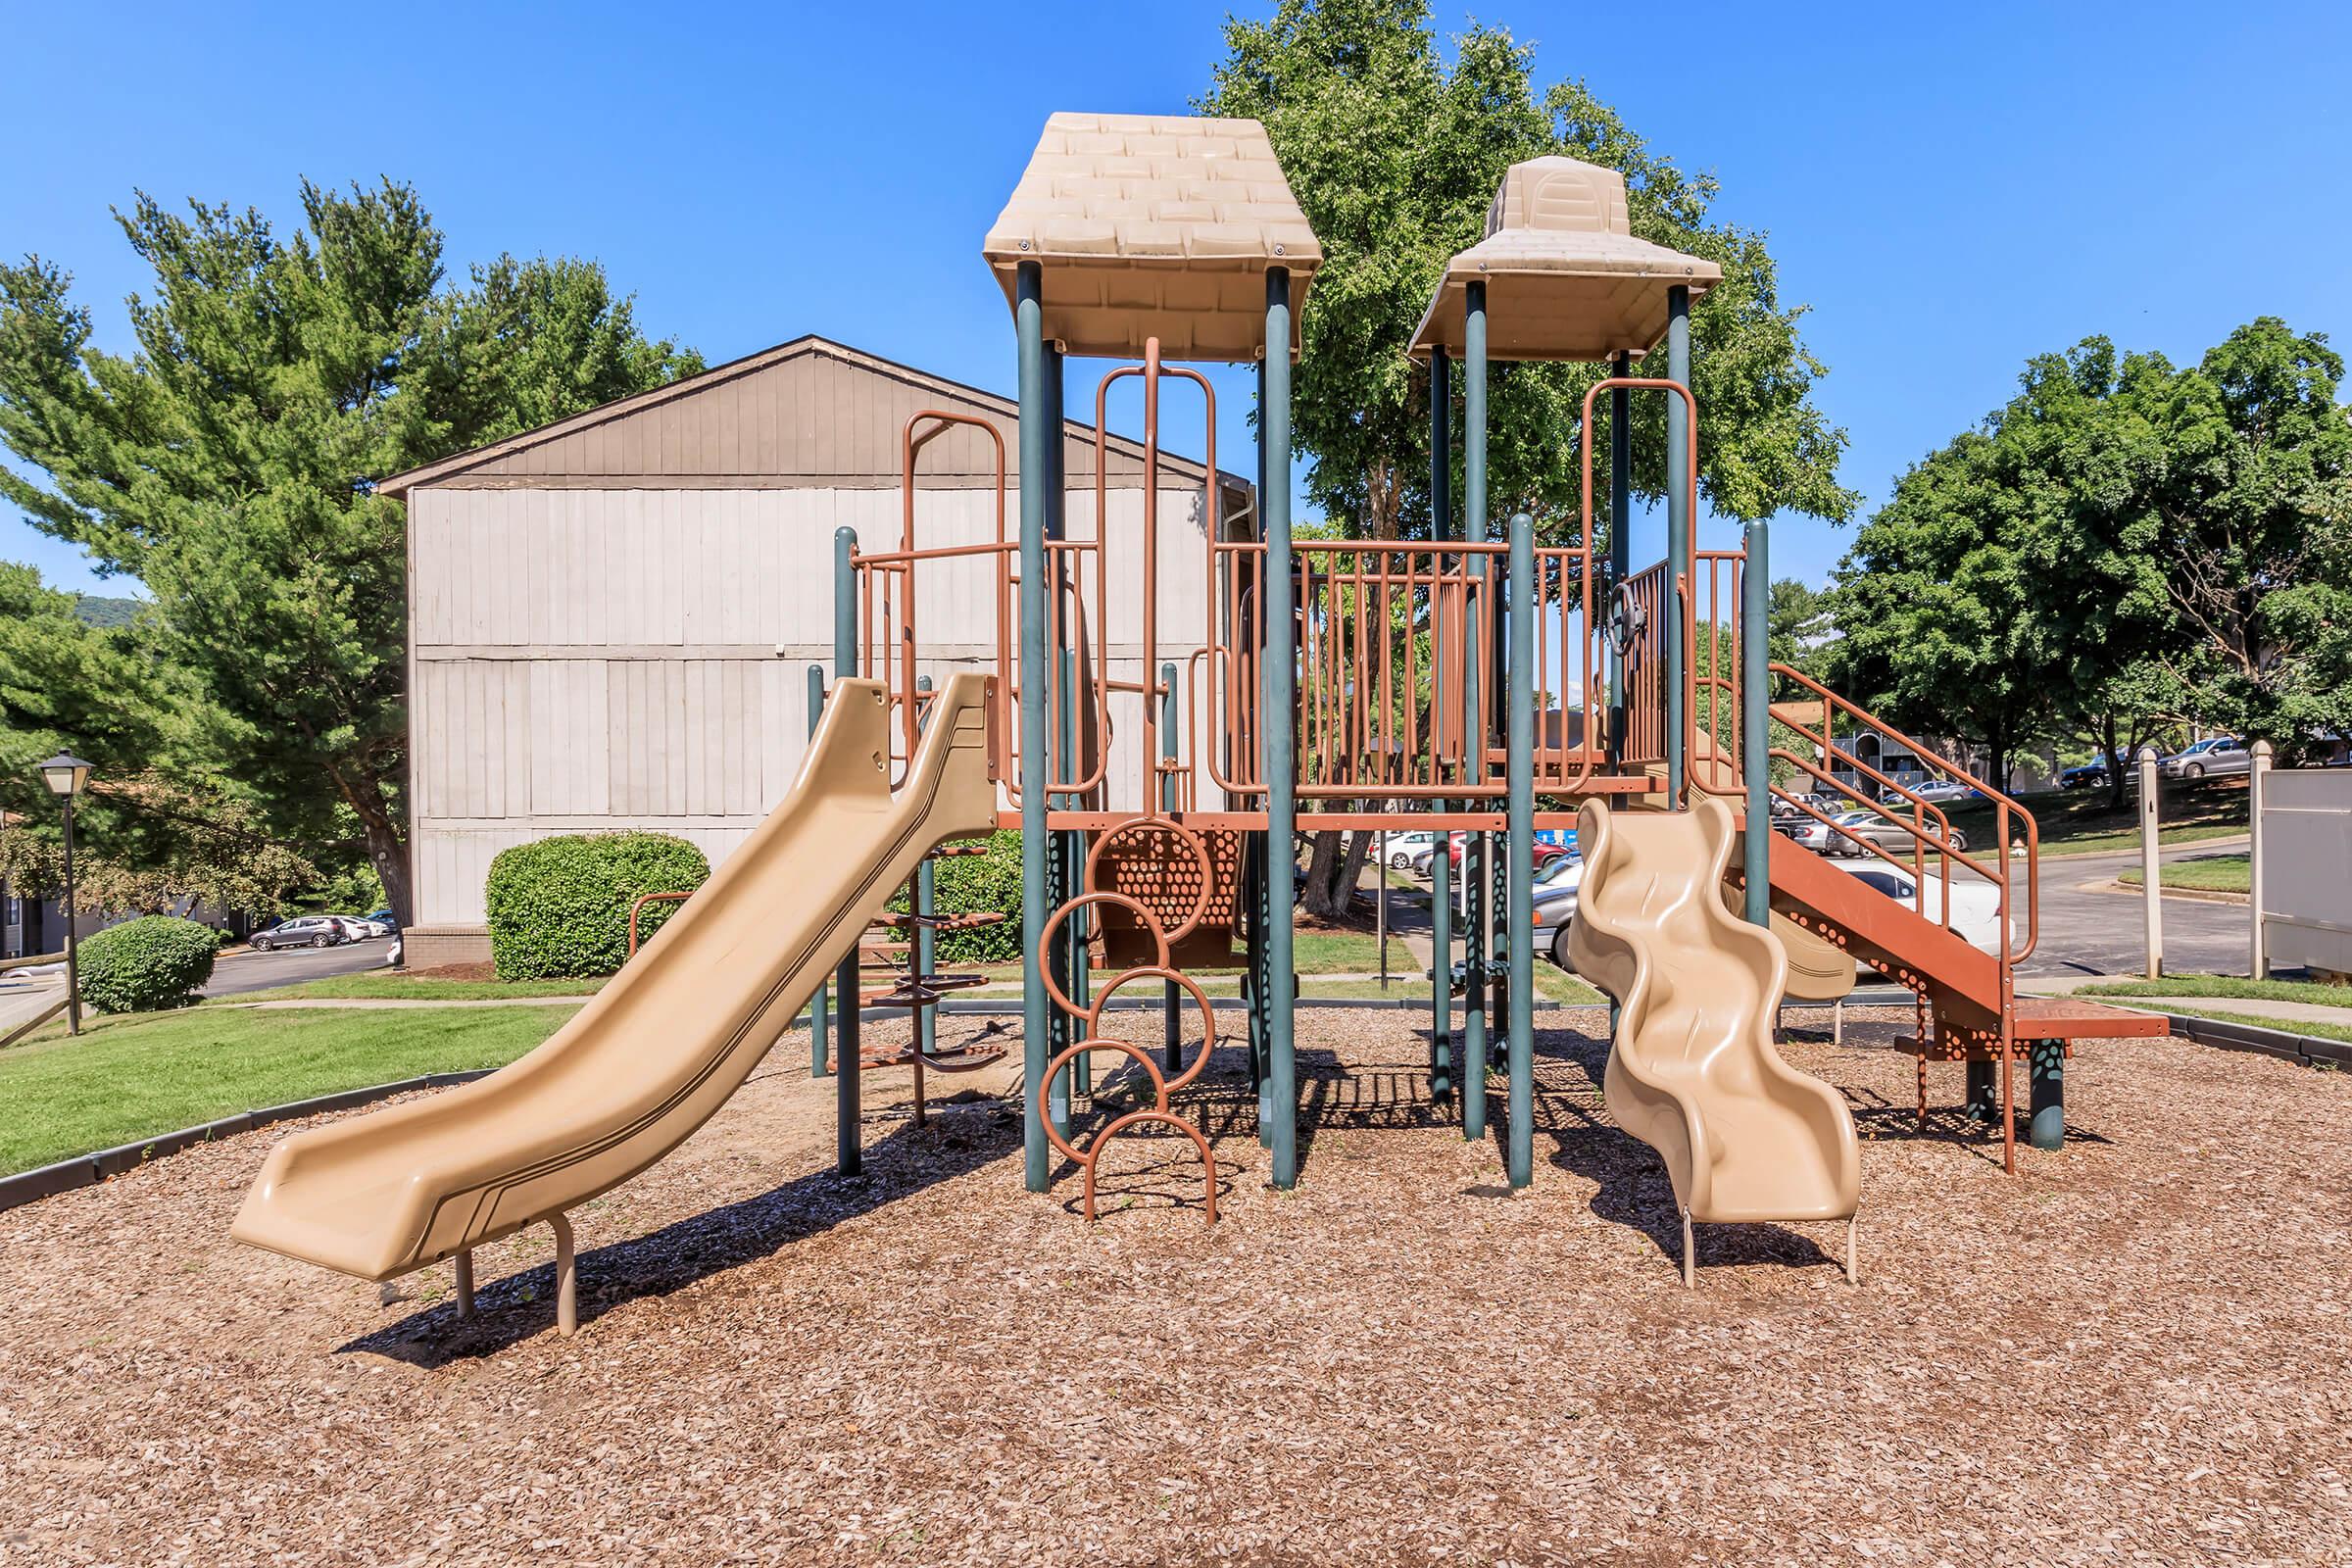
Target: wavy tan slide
(1694, 1074)
(668, 1040)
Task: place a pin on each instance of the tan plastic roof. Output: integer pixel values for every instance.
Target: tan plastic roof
(1156, 226)
(1565, 277)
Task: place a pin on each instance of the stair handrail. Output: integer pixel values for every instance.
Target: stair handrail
(2003, 805)
(1918, 866)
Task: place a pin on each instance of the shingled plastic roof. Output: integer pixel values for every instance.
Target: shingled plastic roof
(1156, 226)
(1565, 277)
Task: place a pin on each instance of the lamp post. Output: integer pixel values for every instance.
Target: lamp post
(64, 774)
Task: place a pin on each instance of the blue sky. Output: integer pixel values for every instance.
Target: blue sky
(1949, 189)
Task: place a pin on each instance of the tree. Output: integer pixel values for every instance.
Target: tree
(1395, 156)
(225, 462)
(148, 836)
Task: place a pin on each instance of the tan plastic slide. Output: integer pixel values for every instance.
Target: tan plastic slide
(666, 1042)
(1694, 1074)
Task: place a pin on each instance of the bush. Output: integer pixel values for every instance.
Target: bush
(158, 960)
(558, 908)
(966, 884)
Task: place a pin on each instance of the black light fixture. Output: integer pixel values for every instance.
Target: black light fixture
(66, 775)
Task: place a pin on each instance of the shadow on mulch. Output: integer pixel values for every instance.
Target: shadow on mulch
(1632, 1188)
(902, 1163)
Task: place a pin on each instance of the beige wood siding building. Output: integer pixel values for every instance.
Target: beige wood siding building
(611, 620)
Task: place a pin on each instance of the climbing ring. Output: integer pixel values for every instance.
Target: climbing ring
(1192, 840)
(1069, 1053)
(1045, 940)
(1154, 971)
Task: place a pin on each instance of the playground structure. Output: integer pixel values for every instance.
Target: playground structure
(1497, 685)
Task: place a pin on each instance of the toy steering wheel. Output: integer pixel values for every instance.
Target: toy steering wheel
(1627, 618)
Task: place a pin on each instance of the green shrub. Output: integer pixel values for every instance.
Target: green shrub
(558, 908)
(966, 884)
(158, 960)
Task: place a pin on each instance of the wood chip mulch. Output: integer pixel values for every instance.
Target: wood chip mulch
(2139, 1351)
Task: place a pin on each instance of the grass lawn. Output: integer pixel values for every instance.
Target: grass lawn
(2227, 987)
(2209, 873)
(391, 985)
(151, 1073)
(2082, 822)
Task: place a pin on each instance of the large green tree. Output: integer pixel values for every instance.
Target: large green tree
(225, 460)
(1394, 153)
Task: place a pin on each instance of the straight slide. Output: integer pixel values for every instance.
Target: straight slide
(1694, 1074)
(668, 1038)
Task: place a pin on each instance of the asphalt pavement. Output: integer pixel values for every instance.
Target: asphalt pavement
(238, 972)
(2086, 929)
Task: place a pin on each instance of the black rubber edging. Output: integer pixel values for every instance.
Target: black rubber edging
(2284, 1044)
(87, 1170)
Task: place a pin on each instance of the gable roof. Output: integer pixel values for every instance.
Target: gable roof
(744, 422)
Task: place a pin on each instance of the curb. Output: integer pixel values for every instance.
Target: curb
(88, 1170)
(2288, 1045)
(2201, 895)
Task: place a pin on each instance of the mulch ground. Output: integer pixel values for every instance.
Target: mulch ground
(2136, 1351)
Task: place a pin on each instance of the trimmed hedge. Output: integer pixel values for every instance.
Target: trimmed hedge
(156, 961)
(558, 908)
(965, 884)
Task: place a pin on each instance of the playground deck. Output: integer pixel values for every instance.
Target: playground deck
(2132, 1351)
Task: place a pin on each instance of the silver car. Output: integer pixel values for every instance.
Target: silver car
(2217, 753)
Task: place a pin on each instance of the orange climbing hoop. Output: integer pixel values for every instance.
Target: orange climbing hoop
(1192, 840)
(1044, 939)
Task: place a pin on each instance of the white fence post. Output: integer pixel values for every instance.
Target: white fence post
(2257, 785)
(2150, 871)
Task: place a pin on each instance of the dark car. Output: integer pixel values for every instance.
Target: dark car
(303, 931)
(2090, 775)
(384, 917)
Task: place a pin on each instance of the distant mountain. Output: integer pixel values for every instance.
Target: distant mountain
(96, 609)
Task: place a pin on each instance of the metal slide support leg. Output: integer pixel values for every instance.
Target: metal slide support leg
(1755, 720)
(1520, 859)
(1475, 950)
(1441, 870)
(2046, 1093)
(466, 1285)
(1690, 1254)
(848, 1155)
(567, 1278)
(1678, 502)
(1277, 700)
(820, 1066)
(1036, 767)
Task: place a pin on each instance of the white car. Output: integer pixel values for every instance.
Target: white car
(361, 929)
(1404, 847)
(1976, 914)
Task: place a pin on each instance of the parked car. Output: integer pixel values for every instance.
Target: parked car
(1405, 848)
(1935, 790)
(1976, 906)
(384, 917)
(303, 931)
(1543, 852)
(1554, 913)
(1887, 834)
(2089, 776)
(362, 927)
(2216, 754)
(1562, 870)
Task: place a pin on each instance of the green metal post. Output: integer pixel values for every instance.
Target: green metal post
(1982, 1079)
(1756, 718)
(1521, 1150)
(819, 1065)
(1036, 764)
(1678, 502)
(1473, 727)
(1171, 1000)
(1278, 1103)
(922, 946)
(2047, 1093)
(849, 1155)
(1441, 866)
